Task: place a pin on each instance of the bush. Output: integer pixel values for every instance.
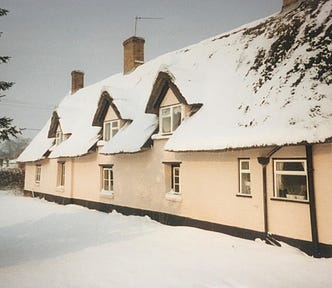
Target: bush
(11, 178)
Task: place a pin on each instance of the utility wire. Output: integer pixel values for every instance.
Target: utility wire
(26, 105)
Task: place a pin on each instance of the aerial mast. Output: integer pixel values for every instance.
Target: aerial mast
(144, 18)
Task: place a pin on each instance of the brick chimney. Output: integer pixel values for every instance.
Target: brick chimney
(77, 81)
(286, 3)
(133, 53)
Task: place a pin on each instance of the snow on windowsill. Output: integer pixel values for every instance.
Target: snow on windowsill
(101, 143)
(107, 193)
(173, 196)
(160, 136)
(60, 188)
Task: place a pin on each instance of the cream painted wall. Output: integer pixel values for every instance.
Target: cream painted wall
(169, 99)
(209, 186)
(323, 190)
(111, 115)
(287, 218)
(49, 177)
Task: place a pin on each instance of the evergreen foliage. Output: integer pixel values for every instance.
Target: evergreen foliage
(7, 129)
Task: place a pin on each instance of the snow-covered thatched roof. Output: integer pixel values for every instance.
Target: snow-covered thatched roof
(265, 83)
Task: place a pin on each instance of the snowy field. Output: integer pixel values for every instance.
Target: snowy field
(43, 244)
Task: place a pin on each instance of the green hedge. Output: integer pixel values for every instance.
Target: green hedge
(11, 178)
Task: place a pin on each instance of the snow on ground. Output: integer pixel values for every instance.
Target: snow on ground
(43, 244)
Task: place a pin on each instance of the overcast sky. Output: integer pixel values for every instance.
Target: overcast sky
(47, 39)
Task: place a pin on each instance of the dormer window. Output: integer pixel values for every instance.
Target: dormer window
(170, 118)
(110, 129)
(59, 137)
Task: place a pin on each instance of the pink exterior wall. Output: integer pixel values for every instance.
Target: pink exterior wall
(323, 188)
(209, 185)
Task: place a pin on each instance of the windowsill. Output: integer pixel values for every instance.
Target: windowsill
(244, 195)
(101, 143)
(60, 188)
(37, 183)
(107, 193)
(160, 136)
(173, 196)
(289, 200)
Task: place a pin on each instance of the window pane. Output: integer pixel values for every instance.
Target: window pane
(245, 165)
(176, 117)
(291, 186)
(165, 112)
(108, 179)
(114, 131)
(166, 125)
(115, 124)
(245, 183)
(290, 166)
(107, 131)
(176, 179)
(63, 174)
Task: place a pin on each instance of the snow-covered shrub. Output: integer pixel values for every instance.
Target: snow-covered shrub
(11, 178)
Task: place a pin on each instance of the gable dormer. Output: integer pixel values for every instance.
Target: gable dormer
(108, 117)
(167, 102)
(55, 130)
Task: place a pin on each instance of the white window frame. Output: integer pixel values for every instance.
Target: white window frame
(59, 137)
(244, 171)
(295, 173)
(110, 179)
(114, 127)
(161, 118)
(38, 173)
(175, 184)
(61, 174)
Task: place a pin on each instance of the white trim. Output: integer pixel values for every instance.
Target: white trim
(112, 129)
(244, 171)
(290, 196)
(110, 179)
(38, 174)
(171, 116)
(59, 136)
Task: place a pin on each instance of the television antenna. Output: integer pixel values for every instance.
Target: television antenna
(144, 18)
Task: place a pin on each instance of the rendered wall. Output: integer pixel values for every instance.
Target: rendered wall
(285, 217)
(49, 177)
(322, 155)
(209, 187)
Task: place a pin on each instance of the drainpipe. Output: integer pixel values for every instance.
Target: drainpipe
(312, 201)
(264, 161)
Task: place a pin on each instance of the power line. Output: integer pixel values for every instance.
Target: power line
(31, 129)
(26, 105)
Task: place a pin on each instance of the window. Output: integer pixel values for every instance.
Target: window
(290, 179)
(170, 119)
(176, 178)
(110, 129)
(107, 179)
(244, 171)
(58, 136)
(38, 173)
(61, 174)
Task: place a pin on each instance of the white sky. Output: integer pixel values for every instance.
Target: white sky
(47, 39)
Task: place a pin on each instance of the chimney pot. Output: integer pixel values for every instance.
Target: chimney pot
(133, 53)
(77, 80)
